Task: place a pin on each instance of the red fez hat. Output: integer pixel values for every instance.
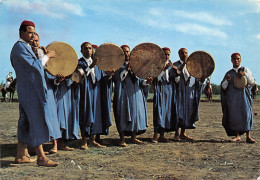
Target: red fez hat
(27, 23)
(84, 44)
(235, 54)
(166, 49)
(124, 46)
(36, 34)
(181, 49)
(94, 46)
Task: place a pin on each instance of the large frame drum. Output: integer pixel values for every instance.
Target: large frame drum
(200, 64)
(66, 60)
(147, 60)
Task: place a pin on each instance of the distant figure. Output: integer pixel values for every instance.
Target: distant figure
(9, 80)
(237, 103)
(208, 90)
(254, 90)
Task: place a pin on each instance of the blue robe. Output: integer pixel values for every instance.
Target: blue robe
(35, 125)
(188, 94)
(165, 110)
(236, 107)
(64, 110)
(129, 104)
(75, 99)
(94, 117)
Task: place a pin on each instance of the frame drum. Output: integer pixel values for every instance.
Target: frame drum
(110, 56)
(76, 76)
(147, 60)
(200, 64)
(240, 82)
(65, 61)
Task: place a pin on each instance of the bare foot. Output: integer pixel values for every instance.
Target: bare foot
(185, 137)
(154, 140)
(95, 144)
(66, 148)
(84, 147)
(53, 150)
(250, 140)
(237, 138)
(136, 141)
(176, 138)
(163, 139)
(122, 144)
(103, 142)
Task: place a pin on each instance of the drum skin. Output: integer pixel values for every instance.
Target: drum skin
(65, 61)
(147, 60)
(240, 82)
(200, 64)
(110, 56)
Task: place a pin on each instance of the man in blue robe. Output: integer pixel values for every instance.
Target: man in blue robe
(40, 52)
(129, 104)
(165, 115)
(93, 119)
(35, 126)
(189, 90)
(237, 103)
(68, 124)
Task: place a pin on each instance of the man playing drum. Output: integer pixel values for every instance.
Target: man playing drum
(35, 126)
(93, 119)
(129, 103)
(189, 91)
(165, 116)
(237, 102)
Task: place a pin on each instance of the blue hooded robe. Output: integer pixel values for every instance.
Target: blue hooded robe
(35, 125)
(95, 102)
(188, 94)
(165, 110)
(68, 124)
(236, 107)
(129, 104)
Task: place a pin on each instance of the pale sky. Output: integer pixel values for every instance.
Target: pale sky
(220, 27)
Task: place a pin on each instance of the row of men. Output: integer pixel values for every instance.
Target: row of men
(55, 108)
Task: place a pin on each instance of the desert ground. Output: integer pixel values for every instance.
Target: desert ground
(209, 156)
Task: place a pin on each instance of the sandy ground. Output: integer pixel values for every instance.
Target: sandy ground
(209, 156)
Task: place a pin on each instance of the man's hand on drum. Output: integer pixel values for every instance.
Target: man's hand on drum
(241, 73)
(95, 62)
(128, 66)
(44, 49)
(51, 54)
(149, 80)
(168, 65)
(59, 78)
(110, 72)
(228, 77)
(175, 68)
